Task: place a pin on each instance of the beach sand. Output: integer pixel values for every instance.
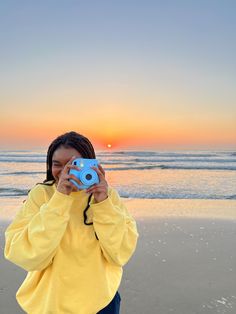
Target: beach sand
(185, 262)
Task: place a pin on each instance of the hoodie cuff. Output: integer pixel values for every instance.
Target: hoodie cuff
(105, 211)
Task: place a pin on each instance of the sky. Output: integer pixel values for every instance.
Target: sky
(129, 73)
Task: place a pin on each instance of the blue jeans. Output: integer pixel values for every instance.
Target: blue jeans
(113, 307)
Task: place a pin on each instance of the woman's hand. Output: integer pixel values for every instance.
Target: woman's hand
(64, 185)
(100, 190)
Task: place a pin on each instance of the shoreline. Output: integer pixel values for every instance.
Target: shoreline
(181, 208)
(151, 208)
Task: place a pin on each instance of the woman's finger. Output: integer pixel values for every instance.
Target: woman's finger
(99, 173)
(73, 177)
(101, 169)
(69, 164)
(97, 188)
(74, 167)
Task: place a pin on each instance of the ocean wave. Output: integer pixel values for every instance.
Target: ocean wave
(141, 167)
(22, 173)
(131, 168)
(26, 155)
(19, 160)
(143, 195)
(195, 167)
(231, 197)
(167, 167)
(129, 157)
(127, 153)
(137, 160)
(12, 192)
(162, 154)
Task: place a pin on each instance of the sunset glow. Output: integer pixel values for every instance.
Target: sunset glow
(169, 87)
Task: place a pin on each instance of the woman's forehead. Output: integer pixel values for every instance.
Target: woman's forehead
(65, 153)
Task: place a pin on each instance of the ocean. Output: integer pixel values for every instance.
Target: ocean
(135, 174)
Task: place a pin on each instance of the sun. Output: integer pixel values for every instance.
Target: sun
(109, 146)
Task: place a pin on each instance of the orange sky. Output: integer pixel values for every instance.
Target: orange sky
(156, 76)
(123, 129)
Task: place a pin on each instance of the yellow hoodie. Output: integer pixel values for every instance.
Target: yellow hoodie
(70, 271)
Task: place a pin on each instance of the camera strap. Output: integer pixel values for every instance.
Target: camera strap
(85, 215)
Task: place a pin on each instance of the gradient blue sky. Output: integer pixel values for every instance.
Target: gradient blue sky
(134, 73)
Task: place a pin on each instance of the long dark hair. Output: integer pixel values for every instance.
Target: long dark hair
(83, 146)
(70, 139)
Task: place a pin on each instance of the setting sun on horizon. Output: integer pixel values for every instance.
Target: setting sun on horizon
(153, 76)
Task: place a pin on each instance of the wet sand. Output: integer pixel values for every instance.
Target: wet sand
(185, 262)
(182, 266)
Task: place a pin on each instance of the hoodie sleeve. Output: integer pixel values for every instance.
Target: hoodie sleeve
(32, 239)
(115, 228)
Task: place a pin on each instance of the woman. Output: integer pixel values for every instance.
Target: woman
(72, 242)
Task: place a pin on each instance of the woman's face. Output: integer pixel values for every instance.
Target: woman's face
(60, 158)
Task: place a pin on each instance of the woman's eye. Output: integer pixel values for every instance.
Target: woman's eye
(56, 165)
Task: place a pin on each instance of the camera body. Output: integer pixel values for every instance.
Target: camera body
(86, 175)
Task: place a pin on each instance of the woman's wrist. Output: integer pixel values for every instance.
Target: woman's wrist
(100, 198)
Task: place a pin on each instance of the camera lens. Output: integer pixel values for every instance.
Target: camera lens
(88, 176)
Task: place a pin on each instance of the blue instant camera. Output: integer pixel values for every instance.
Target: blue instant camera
(86, 175)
